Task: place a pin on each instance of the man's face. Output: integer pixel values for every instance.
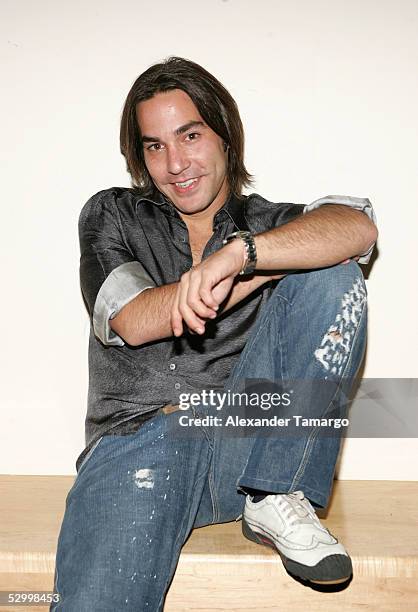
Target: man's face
(184, 156)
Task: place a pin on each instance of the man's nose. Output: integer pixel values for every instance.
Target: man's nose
(177, 160)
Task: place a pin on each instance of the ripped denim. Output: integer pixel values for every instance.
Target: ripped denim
(137, 497)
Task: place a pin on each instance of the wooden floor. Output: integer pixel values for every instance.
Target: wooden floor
(219, 569)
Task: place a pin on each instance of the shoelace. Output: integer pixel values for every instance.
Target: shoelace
(298, 509)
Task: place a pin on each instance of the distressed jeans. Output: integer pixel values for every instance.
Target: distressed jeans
(137, 497)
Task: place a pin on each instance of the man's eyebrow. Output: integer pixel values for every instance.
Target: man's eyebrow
(178, 131)
(187, 126)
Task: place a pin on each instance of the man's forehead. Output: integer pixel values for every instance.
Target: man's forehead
(166, 115)
(175, 102)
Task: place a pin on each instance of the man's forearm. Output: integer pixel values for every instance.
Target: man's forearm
(323, 237)
(147, 317)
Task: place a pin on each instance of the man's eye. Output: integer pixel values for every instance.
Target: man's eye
(154, 147)
(193, 136)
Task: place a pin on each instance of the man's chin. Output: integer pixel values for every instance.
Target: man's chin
(190, 204)
(189, 209)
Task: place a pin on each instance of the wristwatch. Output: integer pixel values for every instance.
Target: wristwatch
(250, 250)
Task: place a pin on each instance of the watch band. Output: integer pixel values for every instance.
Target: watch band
(250, 250)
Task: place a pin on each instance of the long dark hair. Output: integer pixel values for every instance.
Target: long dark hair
(216, 107)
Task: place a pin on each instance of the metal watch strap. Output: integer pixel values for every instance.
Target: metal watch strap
(250, 249)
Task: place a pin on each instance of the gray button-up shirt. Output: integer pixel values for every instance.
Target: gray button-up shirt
(130, 243)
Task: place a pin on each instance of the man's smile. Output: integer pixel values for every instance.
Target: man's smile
(186, 186)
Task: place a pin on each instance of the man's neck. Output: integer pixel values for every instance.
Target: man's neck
(201, 223)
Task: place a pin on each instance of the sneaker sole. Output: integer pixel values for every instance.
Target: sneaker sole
(333, 569)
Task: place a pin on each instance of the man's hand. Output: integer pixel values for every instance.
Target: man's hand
(196, 299)
(207, 285)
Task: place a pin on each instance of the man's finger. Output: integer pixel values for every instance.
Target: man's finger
(221, 290)
(206, 289)
(346, 261)
(194, 300)
(192, 321)
(176, 319)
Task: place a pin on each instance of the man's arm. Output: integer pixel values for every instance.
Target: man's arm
(321, 238)
(148, 317)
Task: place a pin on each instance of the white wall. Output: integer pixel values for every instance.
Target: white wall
(328, 94)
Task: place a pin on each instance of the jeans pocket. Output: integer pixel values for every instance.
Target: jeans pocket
(89, 454)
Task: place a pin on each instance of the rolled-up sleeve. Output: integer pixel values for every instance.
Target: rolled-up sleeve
(362, 204)
(110, 275)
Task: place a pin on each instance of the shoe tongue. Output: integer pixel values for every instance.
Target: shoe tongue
(300, 509)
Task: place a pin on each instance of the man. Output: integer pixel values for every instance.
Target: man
(181, 304)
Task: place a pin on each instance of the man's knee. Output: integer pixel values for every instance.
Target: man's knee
(325, 285)
(342, 277)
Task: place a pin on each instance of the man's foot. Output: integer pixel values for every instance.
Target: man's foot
(288, 523)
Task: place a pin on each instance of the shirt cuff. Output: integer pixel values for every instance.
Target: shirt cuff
(122, 285)
(362, 204)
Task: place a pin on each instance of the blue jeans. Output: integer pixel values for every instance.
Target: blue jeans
(137, 497)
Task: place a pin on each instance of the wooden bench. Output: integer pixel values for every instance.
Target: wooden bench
(219, 569)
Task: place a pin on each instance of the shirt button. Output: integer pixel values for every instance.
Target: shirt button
(172, 366)
(177, 386)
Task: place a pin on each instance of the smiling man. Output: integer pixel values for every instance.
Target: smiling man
(186, 161)
(193, 290)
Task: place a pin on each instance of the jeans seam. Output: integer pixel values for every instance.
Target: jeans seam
(213, 497)
(276, 291)
(312, 436)
(197, 414)
(185, 518)
(279, 340)
(261, 328)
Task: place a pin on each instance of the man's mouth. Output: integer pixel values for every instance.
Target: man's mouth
(184, 186)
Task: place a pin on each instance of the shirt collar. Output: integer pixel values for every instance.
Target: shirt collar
(233, 209)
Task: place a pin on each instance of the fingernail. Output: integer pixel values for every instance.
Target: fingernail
(199, 330)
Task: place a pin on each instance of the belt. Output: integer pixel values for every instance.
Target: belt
(169, 408)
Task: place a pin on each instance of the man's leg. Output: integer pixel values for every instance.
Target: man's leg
(312, 337)
(311, 334)
(127, 516)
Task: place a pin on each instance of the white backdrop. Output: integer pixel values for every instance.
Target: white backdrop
(328, 95)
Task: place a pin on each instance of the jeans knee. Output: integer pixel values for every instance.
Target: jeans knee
(346, 275)
(316, 288)
(344, 281)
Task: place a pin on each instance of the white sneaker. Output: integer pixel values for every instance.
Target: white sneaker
(288, 523)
